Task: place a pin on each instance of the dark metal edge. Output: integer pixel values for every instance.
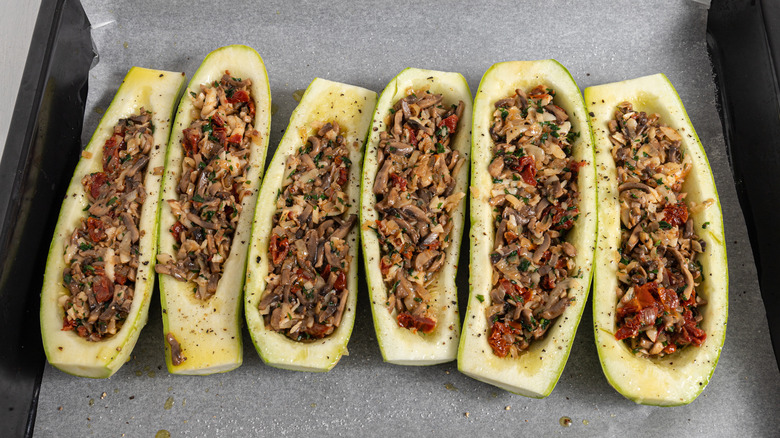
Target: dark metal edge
(42, 148)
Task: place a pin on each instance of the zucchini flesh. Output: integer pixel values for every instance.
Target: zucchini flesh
(535, 372)
(209, 331)
(324, 102)
(155, 91)
(680, 377)
(400, 345)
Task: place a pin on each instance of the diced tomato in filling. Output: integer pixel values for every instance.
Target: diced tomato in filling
(515, 291)
(279, 248)
(235, 138)
(96, 229)
(398, 181)
(238, 96)
(525, 165)
(563, 219)
(68, 324)
(575, 166)
(111, 152)
(412, 135)
(251, 105)
(690, 333)
(341, 281)
(415, 323)
(497, 339)
(191, 138)
(384, 265)
(176, 229)
(94, 182)
(450, 122)
(548, 282)
(676, 214)
(343, 175)
(103, 288)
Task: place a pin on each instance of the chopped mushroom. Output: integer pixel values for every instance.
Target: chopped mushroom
(535, 203)
(102, 254)
(657, 309)
(306, 291)
(214, 172)
(414, 189)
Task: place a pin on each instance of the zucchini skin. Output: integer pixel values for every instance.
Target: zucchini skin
(398, 345)
(536, 372)
(323, 101)
(209, 332)
(679, 378)
(156, 91)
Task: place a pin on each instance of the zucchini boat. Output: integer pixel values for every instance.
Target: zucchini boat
(533, 226)
(95, 297)
(219, 142)
(301, 288)
(652, 156)
(415, 175)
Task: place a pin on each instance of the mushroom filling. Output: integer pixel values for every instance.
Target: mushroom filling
(213, 182)
(415, 193)
(535, 200)
(309, 256)
(657, 309)
(102, 254)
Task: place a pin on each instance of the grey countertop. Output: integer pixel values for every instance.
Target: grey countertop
(366, 44)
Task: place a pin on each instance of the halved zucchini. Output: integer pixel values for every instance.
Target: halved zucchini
(678, 378)
(155, 91)
(536, 371)
(209, 331)
(400, 345)
(323, 102)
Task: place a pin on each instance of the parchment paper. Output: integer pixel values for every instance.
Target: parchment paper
(366, 44)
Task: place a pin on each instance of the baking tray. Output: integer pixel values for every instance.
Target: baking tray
(366, 44)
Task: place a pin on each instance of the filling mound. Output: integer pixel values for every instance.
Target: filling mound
(307, 290)
(102, 253)
(415, 193)
(535, 200)
(658, 309)
(213, 182)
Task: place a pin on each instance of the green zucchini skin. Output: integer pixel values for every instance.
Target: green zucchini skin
(156, 91)
(324, 101)
(399, 345)
(209, 332)
(536, 372)
(679, 378)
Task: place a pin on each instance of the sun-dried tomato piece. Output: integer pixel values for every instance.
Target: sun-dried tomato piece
(279, 248)
(415, 323)
(341, 281)
(111, 152)
(238, 96)
(450, 122)
(103, 288)
(190, 139)
(676, 214)
(94, 182)
(398, 181)
(96, 229)
(497, 340)
(343, 176)
(176, 229)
